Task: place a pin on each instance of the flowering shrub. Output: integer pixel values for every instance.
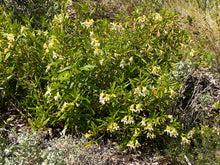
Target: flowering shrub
(98, 76)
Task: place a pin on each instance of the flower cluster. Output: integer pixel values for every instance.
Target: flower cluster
(141, 92)
(112, 127)
(172, 131)
(158, 17)
(105, 97)
(151, 135)
(133, 144)
(185, 141)
(149, 127)
(88, 24)
(134, 109)
(116, 27)
(127, 120)
(10, 37)
(50, 44)
(141, 19)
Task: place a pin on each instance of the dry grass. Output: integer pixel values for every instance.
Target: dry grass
(202, 19)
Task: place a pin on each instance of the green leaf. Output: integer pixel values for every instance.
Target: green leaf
(87, 67)
(7, 56)
(66, 68)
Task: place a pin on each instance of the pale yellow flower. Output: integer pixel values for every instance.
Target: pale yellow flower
(138, 91)
(149, 127)
(110, 128)
(57, 97)
(124, 119)
(101, 61)
(107, 97)
(64, 106)
(55, 55)
(168, 129)
(23, 28)
(88, 24)
(97, 51)
(132, 109)
(144, 91)
(131, 144)
(130, 120)
(131, 59)
(137, 144)
(48, 92)
(136, 133)
(185, 141)
(116, 55)
(87, 135)
(92, 34)
(45, 32)
(191, 133)
(122, 63)
(138, 108)
(172, 93)
(95, 42)
(174, 133)
(155, 69)
(158, 17)
(192, 52)
(170, 117)
(115, 126)
(143, 122)
(10, 37)
(151, 135)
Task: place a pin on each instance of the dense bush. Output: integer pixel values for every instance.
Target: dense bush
(100, 77)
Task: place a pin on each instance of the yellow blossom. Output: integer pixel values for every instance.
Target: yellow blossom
(143, 122)
(10, 37)
(170, 117)
(137, 144)
(149, 127)
(101, 61)
(136, 133)
(131, 144)
(115, 126)
(185, 140)
(138, 108)
(168, 129)
(97, 51)
(57, 97)
(144, 91)
(191, 133)
(95, 42)
(158, 17)
(130, 120)
(64, 106)
(124, 119)
(92, 34)
(87, 135)
(48, 92)
(138, 91)
(172, 93)
(88, 24)
(132, 108)
(151, 135)
(122, 63)
(131, 59)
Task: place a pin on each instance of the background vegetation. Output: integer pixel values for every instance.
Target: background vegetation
(110, 72)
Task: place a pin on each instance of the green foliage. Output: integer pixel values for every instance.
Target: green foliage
(101, 77)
